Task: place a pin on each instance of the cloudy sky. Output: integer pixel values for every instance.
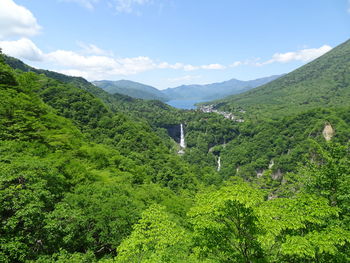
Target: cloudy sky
(166, 43)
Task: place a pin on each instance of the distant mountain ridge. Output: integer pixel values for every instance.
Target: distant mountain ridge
(215, 90)
(137, 90)
(132, 89)
(197, 92)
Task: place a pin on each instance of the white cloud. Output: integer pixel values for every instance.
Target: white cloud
(190, 67)
(126, 6)
(247, 62)
(164, 65)
(213, 66)
(236, 64)
(89, 4)
(22, 48)
(92, 62)
(16, 20)
(304, 55)
(121, 6)
(74, 72)
(72, 59)
(95, 67)
(91, 49)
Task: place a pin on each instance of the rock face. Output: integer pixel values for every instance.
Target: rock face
(259, 173)
(174, 132)
(328, 132)
(277, 175)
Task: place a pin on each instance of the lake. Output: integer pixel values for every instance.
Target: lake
(184, 104)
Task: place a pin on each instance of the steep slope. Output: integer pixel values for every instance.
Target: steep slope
(215, 90)
(132, 89)
(155, 112)
(324, 82)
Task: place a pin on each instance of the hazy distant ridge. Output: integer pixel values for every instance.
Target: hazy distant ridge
(215, 90)
(185, 92)
(132, 89)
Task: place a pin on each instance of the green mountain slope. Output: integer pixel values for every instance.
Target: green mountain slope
(74, 175)
(155, 112)
(132, 89)
(323, 82)
(279, 146)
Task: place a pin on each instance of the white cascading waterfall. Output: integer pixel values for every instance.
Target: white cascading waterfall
(219, 164)
(182, 138)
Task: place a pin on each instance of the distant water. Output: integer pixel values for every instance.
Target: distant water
(184, 104)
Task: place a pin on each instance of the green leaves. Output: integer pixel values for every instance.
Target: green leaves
(236, 223)
(155, 238)
(315, 244)
(29, 187)
(226, 225)
(95, 216)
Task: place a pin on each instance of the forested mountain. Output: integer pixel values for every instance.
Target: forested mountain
(155, 112)
(87, 176)
(324, 82)
(184, 92)
(69, 166)
(132, 89)
(215, 90)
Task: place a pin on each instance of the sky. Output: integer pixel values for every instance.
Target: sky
(167, 43)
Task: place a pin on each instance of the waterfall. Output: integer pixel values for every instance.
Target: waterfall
(219, 164)
(182, 138)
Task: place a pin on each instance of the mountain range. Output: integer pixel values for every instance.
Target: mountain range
(132, 89)
(195, 92)
(215, 90)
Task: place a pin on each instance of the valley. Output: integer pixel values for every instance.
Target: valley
(185, 96)
(87, 169)
(116, 171)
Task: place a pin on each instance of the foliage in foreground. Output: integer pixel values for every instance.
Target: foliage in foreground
(80, 182)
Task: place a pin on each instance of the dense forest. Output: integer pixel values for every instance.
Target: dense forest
(87, 176)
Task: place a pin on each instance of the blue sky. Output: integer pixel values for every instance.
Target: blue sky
(166, 43)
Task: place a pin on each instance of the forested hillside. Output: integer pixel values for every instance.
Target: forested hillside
(86, 176)
(323, 82)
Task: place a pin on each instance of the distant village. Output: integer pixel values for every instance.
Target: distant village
(227, 115)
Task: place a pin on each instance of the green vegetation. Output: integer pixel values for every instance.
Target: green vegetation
(70, 166)
(323, 82)
(283, 144)
(86, 176)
